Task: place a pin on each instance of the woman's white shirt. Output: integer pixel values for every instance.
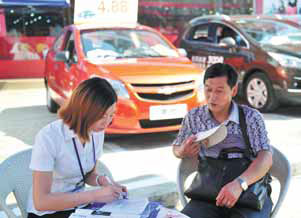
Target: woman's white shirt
(54, 152)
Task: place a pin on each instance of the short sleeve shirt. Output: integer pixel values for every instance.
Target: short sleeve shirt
(54, 152)
(200, 119)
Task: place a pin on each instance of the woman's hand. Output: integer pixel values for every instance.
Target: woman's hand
(107, 194)
(124, 189)
(105, 181)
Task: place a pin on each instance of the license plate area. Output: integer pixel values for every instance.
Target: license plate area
(164, 112)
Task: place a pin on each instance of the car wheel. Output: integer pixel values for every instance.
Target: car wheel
(51, 104)
(259, 93)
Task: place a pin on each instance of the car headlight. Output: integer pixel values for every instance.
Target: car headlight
(286, 60)
(119, 88)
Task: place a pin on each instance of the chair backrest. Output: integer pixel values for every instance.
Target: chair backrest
(280, 170)
(16, 178)
(186, 167)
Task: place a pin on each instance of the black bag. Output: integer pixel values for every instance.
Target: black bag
(213, 174)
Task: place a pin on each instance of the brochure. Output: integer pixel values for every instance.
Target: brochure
(212, 136)
(125, 208)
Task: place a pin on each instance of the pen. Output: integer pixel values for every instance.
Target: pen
(123, 195)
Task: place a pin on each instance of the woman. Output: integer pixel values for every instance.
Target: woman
(65, 153)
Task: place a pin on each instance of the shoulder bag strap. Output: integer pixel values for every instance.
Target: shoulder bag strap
(243, 127)
(249, 151)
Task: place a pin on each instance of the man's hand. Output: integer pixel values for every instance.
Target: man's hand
(189, 148)
(229, 194)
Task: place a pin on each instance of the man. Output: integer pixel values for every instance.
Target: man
(220, 82)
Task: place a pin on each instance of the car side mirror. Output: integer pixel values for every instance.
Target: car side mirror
(62, 56)
(228, 42)
(44, 53)
(182, 52)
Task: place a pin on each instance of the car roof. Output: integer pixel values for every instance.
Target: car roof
(228, 19)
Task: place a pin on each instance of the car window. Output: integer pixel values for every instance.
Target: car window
(201, 33)
(223, 31)
(58, 44)
(70, 47)
(270, 31)
(124, 43)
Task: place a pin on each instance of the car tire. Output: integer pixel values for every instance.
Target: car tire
(51, 104)
(259, 93)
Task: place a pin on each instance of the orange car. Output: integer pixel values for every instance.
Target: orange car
(156, 86)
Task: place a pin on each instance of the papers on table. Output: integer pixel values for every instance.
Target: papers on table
(169, 213)
(83, 212)
(133, 208)
(115, 216)
(75, 215)
(126, 206)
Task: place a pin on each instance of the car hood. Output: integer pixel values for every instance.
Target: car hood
(287, 49)
(151, 70)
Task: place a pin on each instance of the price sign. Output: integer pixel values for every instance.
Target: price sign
(106, 12)
(114, 6)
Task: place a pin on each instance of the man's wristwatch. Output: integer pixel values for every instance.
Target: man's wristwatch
(243, 183)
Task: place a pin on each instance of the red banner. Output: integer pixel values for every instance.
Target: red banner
(2, 23)
(17, 52)
(24, 47)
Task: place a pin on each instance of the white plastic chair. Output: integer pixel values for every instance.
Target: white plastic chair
(16, 178)
(280, 170)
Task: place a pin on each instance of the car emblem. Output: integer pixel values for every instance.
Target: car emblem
(167, 90)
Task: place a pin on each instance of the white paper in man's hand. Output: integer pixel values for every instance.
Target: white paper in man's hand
(212, 136)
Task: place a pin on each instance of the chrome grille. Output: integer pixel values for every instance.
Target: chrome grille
(166, 91)
(162, 97)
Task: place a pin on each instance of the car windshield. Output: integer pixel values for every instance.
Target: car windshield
(124, 43)
(270, 32)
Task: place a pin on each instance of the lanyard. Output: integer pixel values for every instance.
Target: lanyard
(78, 159)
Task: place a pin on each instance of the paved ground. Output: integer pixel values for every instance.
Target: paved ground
(143, 162)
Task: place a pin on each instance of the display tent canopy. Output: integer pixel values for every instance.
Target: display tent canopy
(46, 3)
